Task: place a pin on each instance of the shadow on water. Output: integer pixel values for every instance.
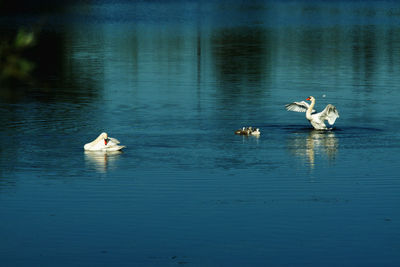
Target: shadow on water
(8, 7)
(35, 59)
(339, 130)
(241, 70)
(41, 70)
(358, 130)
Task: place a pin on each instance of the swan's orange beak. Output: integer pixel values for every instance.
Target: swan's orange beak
(308, 98)
(105, 141)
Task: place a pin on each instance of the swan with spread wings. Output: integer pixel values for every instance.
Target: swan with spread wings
(317, 120)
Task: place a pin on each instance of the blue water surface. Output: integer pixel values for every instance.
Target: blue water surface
(173, 80)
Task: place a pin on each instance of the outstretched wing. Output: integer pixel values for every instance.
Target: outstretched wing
(298, 106)
(330, 114)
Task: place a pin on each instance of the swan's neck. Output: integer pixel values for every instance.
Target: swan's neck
(310, 109)
(98, 139)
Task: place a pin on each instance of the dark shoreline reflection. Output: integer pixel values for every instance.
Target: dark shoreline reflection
(312, 144)
(240, 67)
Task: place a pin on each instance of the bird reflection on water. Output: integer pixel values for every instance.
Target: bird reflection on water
(102, 160)
(308, 145)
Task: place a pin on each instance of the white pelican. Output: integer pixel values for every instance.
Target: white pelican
(103, 143)
(330, 113)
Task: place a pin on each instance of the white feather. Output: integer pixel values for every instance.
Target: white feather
(298, 106)
(330, 114)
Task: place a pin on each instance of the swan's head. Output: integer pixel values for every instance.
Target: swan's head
(104, 136)
(310, 98)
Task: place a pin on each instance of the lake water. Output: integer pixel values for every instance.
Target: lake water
(173, 80)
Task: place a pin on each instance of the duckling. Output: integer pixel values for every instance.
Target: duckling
(256, 132)
(240, 131)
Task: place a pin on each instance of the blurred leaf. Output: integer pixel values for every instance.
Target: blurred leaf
(24, 39)
(17, 67)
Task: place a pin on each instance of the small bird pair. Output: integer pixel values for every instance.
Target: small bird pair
(248, 131)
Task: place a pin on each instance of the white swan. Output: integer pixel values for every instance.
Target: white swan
(103, 143)
(330, 113)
